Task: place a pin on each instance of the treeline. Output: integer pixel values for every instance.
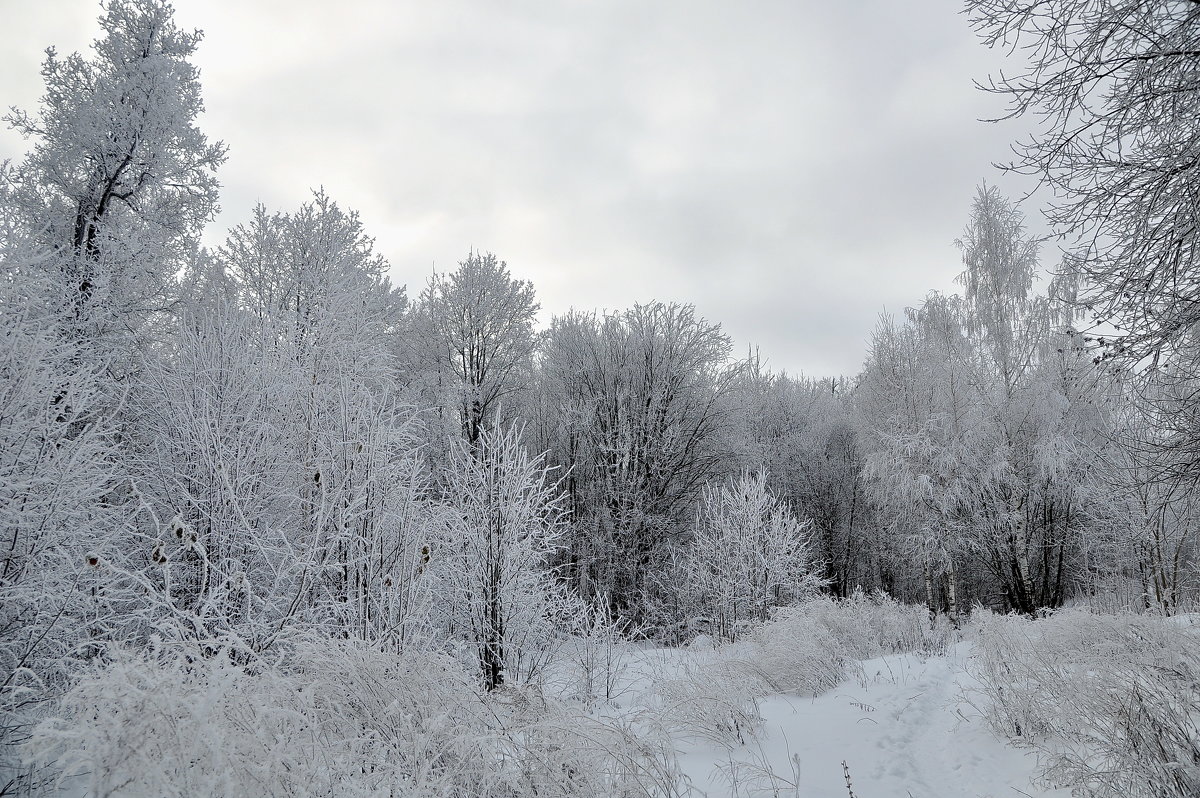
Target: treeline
(270, 436)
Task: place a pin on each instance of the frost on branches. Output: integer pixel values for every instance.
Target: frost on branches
(748, 555)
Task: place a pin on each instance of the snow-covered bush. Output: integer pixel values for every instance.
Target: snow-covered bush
(803, 650)
(1014, 706)
(748, 555)
(1112, 703)
(332, 717)
(544, 747)
(796, 653)
(491, 572)
(342, 720)
(806, 649)
(712, 698)
(873, 625)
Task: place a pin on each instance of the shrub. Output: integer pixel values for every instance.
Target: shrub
(1112, 703)
(713, 699)
(335, 718)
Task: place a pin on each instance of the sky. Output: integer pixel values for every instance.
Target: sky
(793, 168)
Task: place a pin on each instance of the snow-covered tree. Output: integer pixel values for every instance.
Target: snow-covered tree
(492, 569)
(638, 402)
(802, 432)
(930, 461)
(748, 554)
(273, 467)
(210, 462)
(56, 525)
(120, 180)
(982, 415)
(1112, 86)
(1142, 545)
(476, 331)
(315, 276)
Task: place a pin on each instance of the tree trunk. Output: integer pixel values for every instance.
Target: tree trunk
(930, 600)
(952, 592)
(1020, 539)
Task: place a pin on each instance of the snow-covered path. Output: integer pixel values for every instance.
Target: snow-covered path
(900, 725)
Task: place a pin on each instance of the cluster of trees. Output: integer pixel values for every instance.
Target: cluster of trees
(270, 436)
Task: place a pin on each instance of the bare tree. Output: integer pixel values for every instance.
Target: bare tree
(640, 402)
(1113, 86)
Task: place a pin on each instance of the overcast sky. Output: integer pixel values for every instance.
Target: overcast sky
(791, 167)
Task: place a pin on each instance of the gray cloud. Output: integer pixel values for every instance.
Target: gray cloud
(793, 168)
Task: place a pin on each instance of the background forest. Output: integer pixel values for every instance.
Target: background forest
(268, 457)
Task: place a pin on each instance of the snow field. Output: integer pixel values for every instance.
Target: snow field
(902, 726)
(784, 711)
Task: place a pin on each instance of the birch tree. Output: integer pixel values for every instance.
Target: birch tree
(981, 404)
(1113, 89)
(930, 458)
(1007, 323)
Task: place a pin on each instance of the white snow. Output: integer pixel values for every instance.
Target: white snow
(903, 726)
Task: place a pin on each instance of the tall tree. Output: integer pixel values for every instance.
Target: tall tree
(981, 416)
(477, 325)
(97, 220)
(930, 441)
(640, 402)
(120, 181)
(317, 389)
(1113, 87)
(1007, 324)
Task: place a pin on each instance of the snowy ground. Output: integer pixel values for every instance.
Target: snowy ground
(900, 723)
